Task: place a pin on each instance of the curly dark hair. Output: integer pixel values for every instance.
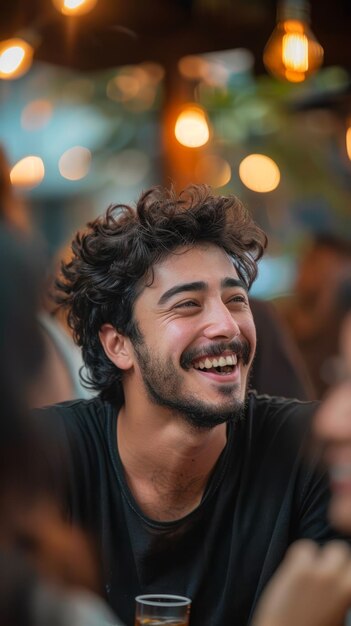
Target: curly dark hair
(118, 250)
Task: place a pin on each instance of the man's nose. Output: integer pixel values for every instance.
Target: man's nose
(220, 323)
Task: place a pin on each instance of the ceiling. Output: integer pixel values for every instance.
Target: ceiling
(118, 33)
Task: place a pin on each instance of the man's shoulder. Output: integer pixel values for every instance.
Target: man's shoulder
(74, 407)
(280, 406)
(280, 414)
(75, 415)
(78, 430)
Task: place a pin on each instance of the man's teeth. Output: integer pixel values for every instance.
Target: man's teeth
(220, 362)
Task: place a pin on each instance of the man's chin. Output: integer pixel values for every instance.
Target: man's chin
(204, 416)
(207, 421)
(223, 404)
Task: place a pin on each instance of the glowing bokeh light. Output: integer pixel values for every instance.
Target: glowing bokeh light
(128, 84)
(136, 86)
(74, 164)
(292, 52)
(213, 170)
(192, 67)
(259, 173)
(74, 7)
(28, 172)
(191, 128)
(236, 61)
(36, 114)
(16, 56)
(348, 142)
(11, 59)
(295, 52)
(155, 71)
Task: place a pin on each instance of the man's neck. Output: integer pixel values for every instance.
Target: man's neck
(167, 462)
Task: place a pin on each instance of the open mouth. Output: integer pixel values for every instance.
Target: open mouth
(217, 365)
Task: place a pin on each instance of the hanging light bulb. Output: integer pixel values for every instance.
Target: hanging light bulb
(292, 52)
(16, 57)
(74, 7)
(191, 128)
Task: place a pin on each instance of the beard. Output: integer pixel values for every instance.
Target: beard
(164, 384)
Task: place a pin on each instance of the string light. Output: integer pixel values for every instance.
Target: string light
(74, 7)
(191, 128)
(348, 140)
(259, 173)
(292, 52)
(28, 172)
(16, 57)
(74, 163)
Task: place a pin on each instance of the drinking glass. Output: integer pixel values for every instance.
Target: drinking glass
(162, 609)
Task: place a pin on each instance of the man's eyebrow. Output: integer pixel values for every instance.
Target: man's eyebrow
(199, 286)
(233, 282)
(195, 286)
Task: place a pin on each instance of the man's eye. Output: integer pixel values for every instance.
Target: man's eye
(239, 298)
(186, 305)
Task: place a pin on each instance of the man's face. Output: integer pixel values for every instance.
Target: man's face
(197, 336)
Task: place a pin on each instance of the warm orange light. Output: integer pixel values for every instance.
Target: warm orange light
(292, 52)
(192, 67)
(295, 52)
(16, 57)
(259, 173)
(155, 71)
(36, 114)
(124, 87)
(135, 86)
(213, 170)
(348, 142)
(191, 128)
(28, 172)
(74, 7)
(74, 164)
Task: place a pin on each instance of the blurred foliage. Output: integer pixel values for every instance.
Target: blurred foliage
(295, 125)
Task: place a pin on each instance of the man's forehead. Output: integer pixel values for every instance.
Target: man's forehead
(194, 258)
(202, 263)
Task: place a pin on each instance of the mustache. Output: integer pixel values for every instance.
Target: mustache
(241, 347)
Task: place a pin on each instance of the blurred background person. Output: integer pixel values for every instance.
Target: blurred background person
(59, 378)
(278, 368)
(333, 421)
(344, 303)
(48, 570)
(313, 585)
(313, 315)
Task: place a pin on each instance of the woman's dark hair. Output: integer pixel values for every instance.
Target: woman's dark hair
(118, 250)
(21, 344)
(22, 353)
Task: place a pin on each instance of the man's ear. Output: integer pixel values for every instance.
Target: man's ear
(117, 346)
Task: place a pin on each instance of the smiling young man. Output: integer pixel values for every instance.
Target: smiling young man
(190, 484)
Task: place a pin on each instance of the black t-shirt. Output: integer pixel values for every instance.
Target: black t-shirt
(266, 491)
